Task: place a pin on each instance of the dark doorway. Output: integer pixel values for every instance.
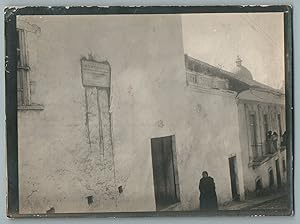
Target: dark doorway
(165, 177)
(271, 178)
(253, 132)
(278, 173)
(258, 185)
(233, 178)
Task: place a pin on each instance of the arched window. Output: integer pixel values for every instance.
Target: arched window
(258, 184)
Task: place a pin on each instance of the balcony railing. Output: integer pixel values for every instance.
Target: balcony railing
(257, 152)
(261, 153)
(205, 81)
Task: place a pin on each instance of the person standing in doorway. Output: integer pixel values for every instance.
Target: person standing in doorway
(269, 142)
(208, 196)
(274, 141)
(284, 139)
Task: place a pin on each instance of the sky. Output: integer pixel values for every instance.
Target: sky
(257, 38)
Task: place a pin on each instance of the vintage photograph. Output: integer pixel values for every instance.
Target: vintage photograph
(152, 113)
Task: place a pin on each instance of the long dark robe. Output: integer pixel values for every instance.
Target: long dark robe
(208, 196)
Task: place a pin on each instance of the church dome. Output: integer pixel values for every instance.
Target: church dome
(241, 71)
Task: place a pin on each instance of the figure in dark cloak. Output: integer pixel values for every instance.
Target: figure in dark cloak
(284, 139)
(274, 141)
(208, 196)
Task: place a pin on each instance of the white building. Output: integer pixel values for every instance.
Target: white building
(109, 121)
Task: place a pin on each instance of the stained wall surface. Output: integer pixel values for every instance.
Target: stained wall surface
(149, 98)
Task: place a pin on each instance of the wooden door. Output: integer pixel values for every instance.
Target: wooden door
(233, 178)
(163, 172)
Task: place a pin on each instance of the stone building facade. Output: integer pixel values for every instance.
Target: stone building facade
(262, 120)
(261, 111)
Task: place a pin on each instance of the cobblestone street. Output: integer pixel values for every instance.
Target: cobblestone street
(278, 203)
